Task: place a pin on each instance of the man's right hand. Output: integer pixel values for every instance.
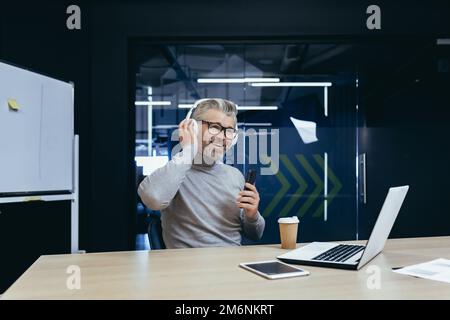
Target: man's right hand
(186, 133)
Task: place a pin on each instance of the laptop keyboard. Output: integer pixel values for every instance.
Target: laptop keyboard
(340, 253)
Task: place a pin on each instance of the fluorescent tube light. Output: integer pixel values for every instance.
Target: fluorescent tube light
(291, 84)
(236, 80)
(257, 107)
(185, 106)
(152, 103)
(254, 124)
(188, 106)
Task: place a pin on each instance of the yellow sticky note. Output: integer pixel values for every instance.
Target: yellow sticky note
(33, 198)
(12, 104)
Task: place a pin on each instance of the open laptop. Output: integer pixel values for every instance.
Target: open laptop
(352, 256)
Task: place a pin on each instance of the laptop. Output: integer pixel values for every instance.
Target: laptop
(352, 256)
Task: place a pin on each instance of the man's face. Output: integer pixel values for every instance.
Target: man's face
(214, 146)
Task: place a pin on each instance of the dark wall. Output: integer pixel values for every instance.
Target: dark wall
(33, 35)
(95, 58)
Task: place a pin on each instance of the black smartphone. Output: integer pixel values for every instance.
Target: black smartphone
(250, 178)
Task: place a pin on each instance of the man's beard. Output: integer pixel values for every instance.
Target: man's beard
(212, 150)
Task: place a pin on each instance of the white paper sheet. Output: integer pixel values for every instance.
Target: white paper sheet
(438, 270)
(306, 130)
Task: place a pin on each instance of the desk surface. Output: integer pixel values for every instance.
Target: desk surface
(213, 273)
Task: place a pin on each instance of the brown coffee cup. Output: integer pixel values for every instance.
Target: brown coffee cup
(288, 232)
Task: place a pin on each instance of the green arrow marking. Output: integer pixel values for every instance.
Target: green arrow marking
(285, 185)
(301, 183)
(317, 190)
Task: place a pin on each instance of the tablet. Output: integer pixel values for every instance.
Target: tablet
(273, 269)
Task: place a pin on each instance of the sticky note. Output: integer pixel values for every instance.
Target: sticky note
(13, 105)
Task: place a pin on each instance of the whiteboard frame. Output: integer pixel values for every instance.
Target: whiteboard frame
(73, 196)
(18, 193)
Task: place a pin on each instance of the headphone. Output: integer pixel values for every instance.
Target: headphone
(191, 111)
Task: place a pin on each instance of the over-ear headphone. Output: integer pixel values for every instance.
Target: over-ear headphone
(191, 111)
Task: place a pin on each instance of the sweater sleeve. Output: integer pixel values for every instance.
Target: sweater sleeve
(159, 188)
(253, 228)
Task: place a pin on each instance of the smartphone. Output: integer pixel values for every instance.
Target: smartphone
(273, 269)
(250, 178)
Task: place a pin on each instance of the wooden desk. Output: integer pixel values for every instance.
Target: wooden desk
(213, 273)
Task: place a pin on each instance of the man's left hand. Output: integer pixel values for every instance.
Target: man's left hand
(249, 200)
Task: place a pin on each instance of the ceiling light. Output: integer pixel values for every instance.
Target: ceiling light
(185, 106)
(291, 84)
(257, 107)
(236, 80)
(152, 103)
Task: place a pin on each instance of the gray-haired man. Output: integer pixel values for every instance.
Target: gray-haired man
(201, 199)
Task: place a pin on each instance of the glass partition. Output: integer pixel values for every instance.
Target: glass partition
(297, 119)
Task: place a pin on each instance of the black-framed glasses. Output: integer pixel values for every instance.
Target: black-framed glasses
(215, 128)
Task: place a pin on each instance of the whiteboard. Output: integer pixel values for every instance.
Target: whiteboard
(36, 139)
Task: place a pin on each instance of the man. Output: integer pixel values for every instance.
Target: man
(201, 199)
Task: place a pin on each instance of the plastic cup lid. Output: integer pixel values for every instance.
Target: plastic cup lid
(293, 219)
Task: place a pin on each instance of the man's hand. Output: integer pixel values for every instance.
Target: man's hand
(249, 200)
(186, 133)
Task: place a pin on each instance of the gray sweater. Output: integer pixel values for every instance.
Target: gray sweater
(198, 204)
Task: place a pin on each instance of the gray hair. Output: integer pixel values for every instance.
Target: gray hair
(226, 106)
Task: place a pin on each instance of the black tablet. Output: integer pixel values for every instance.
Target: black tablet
(274, 269)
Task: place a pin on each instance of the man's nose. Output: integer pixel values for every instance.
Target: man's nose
(220, 136)
(220, 139)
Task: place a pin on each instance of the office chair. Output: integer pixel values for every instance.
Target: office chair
(155, 232)
(156, 239)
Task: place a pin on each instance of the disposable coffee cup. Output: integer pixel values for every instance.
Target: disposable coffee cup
(288, 232)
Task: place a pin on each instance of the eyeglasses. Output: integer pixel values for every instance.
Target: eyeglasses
(215, 128)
